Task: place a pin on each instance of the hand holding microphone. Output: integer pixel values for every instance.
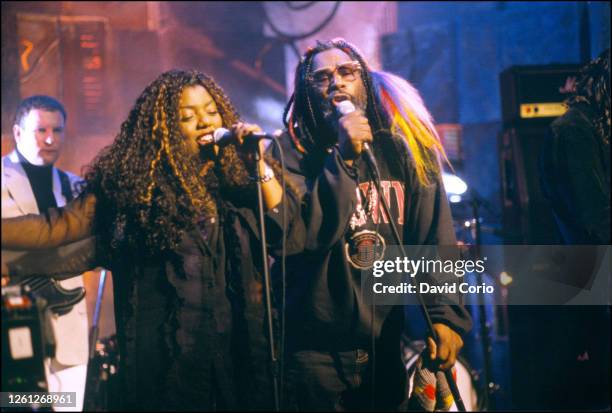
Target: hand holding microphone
(245, 135)
(240, 133)
(354, 132)
(249, 144)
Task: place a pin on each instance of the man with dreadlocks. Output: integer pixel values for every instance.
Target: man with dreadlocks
(341, 353)
(174, 217)
(576, 159)
(575, 176)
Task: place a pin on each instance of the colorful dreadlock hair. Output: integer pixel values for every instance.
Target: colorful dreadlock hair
(410, 119)
(392, 105)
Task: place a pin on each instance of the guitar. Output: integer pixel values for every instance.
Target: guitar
(70, 260)
(59, 300)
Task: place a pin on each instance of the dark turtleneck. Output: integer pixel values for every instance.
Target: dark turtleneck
(41, 181)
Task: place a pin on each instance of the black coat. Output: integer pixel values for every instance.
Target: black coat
(190, 323)
(575, 175)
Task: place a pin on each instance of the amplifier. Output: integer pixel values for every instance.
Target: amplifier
(534, 95)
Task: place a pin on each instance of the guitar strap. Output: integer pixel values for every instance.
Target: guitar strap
(66, 188)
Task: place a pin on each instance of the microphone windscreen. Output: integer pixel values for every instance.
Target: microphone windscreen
(219, 134)
(345, 107)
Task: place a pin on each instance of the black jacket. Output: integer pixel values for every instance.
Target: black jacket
(325, 309)
(575, 175)
(190, 323)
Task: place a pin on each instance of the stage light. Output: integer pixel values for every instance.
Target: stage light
(505, 279)
(454, 185)
(454, 199)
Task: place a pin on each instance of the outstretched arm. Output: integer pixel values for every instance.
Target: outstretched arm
(59, 263)
(56, 227)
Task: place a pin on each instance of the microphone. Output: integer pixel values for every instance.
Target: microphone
(344, 108)
(222, 136)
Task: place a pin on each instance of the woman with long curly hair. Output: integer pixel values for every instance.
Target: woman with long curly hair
(174, 218)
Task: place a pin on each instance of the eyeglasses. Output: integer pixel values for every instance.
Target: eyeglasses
(347, 71)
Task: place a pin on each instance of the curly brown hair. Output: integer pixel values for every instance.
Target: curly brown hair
(149, 188)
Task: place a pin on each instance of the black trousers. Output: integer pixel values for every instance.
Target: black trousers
(343, 381)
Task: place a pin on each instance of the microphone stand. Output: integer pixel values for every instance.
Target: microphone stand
(485, 330)
(375, 173)
(93, 336)
(92, 385)
(264, 256)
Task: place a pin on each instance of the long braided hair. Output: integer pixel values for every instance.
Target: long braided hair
(301, 114)
(149, 188)
(392, 106)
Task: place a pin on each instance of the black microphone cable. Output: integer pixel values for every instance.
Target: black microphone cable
(375, 176)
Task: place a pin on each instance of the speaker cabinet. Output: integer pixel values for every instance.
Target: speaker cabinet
(532, 97)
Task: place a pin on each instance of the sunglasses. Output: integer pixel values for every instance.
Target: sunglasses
(347, 72)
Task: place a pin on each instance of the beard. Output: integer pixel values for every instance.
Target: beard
(330, 113)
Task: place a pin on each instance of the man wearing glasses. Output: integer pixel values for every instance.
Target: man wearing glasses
(341, 352)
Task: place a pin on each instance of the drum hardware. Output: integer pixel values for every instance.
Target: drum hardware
(474, 202)
(477, 202)
(102, 379)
